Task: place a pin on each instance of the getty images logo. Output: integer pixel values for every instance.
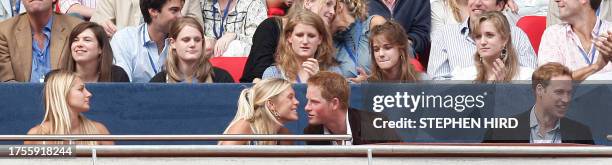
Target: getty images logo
(404, 100)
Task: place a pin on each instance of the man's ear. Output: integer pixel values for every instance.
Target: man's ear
(335, 103)
(539, 90)
(153, 13)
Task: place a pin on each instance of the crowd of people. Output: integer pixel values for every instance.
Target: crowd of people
(316, 42)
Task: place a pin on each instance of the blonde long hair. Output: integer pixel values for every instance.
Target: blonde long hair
(252, 107)
(286, 58)
(455, 9)
(202, 70)
(57, 113)
(503, 27)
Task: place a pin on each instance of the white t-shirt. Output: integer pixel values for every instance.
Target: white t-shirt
(470, 73)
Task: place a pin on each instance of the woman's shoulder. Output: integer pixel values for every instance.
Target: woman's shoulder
(222, 76)
(118, 74)
(271, 72)
(101, 128)
(40, 129)
(159, 77)
(240, 127)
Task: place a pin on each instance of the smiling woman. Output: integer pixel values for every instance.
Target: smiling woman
(65, 98)
(264, 109)
(91, 56)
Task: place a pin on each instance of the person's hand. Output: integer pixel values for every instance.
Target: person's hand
(109, 28)
(512, 6)
(209, 45)
(499, 71)
(222, 43)
(603, 44)
(362, 77)
(311, 66)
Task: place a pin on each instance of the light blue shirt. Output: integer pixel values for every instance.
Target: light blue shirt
(275, 72)
(453, 48)
(41, 60)
(354, 38)
(136, 53)
(551, 136)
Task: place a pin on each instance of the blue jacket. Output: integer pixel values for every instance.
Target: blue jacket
(414, 15)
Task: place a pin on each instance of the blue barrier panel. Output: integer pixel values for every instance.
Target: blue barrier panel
(145, 109)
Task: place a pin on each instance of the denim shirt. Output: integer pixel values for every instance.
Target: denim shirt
(362, 55)
(41, 60)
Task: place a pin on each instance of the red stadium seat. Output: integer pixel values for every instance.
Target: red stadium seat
(417, 65)
(534, 26)
(233, 65)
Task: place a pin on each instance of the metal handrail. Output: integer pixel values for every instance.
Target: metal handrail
(174, 137)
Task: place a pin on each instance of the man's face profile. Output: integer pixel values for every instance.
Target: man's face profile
(317, 108)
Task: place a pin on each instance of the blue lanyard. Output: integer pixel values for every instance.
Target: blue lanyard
(353, 52)
(147, 50)
(223, 18)
(17, 8)
(592, 55)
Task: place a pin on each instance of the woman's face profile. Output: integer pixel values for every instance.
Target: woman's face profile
(286, 105)
(78, 96)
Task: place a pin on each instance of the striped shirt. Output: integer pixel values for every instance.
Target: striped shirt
(66, 4)
(453, 48)
(561, 44)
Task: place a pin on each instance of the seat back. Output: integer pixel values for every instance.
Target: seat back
(534, 26)
(233, 65)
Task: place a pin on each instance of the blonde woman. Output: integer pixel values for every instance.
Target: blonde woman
(65, 98)
(495, 60)
(186, 61)
(264, 109)
(304, 49)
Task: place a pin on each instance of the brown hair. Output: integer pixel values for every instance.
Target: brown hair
(544, 73)
(332, 85)
(503, 27)
(287, 60)
(105, 60)
(395, 34)
(202, 70)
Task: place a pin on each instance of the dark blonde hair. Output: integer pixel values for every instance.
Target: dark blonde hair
(286, 58)
(454, 9)
(202, 70)
(357, 8)
(395, 34)
(105, 59)
(544, 73)
(503, 27)
(332, 85)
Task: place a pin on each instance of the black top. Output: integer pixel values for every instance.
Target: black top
(118, 74)
(220, 76)
(362, 130)
(265, 41)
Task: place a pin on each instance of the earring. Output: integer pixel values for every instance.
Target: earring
(275, 114)
(504, 54)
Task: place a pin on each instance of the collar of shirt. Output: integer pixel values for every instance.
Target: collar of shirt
(598, 25)
(533, 121)
(348, 130)
(464, 30)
